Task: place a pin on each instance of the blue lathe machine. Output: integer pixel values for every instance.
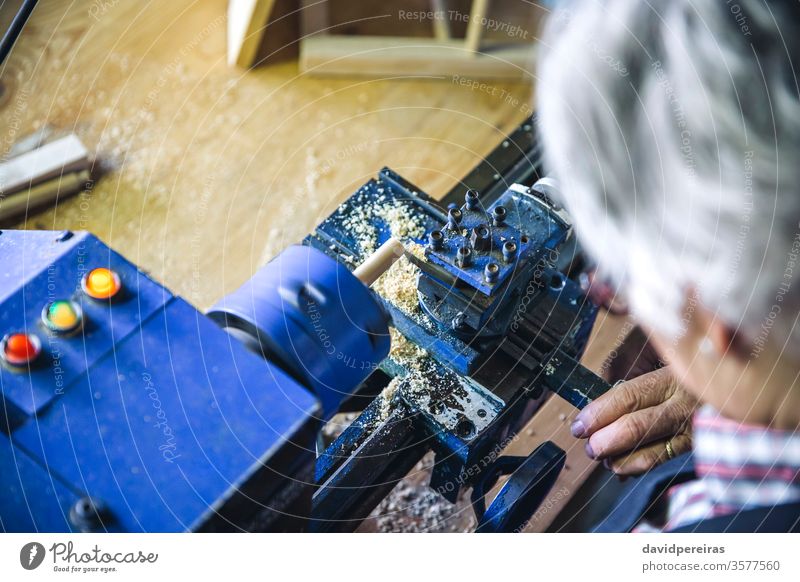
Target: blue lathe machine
(126, 409)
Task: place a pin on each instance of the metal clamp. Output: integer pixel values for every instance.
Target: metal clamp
(531, 479)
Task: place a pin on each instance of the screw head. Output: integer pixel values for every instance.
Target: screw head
(454, 217)
(479, 238)
(87, 514)
(499, 214)
(509, 250)
(472, 199)
(464, 256)
(435, 239)
(491, 272)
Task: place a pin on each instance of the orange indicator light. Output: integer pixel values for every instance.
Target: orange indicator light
(101, 283)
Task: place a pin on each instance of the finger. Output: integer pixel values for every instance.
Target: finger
(637, 429)
(642, 392)
(646, 458)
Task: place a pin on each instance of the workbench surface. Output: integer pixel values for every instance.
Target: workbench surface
(206, 172)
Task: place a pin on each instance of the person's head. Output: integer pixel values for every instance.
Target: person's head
(674, 130)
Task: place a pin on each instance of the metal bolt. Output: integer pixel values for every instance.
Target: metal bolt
(472, 199)
(435, 239)
(509, 251)
(87, 514)
(479, 238)
(453, 218)
(458, 321)
(491, 272)
(464, 256)
(465, 429)
(499, 215)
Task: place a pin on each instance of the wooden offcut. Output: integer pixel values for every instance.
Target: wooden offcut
(380, 55)
(247, 21)
(325, 51)
(49, 192)
(49, 161)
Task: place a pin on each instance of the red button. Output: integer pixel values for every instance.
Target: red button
(19, 349)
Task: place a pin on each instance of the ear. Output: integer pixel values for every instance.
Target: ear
(703, 324)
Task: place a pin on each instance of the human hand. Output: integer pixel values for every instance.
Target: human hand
(630, 426)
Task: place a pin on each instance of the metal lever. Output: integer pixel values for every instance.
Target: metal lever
(566, 377)
(531, 479)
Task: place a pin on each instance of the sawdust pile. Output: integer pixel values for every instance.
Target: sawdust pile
(402, 222)
(404, 352)
(398, 286)
(413, 360)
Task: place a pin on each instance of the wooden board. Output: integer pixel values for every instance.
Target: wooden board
(247, 22)
(379, 55)
(51, 160)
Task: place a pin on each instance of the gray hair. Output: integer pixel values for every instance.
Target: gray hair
(674, 130)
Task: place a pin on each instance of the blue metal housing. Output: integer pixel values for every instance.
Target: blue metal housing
(151, 411)
(311, 314)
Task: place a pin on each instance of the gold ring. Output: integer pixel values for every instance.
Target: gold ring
(670, 451)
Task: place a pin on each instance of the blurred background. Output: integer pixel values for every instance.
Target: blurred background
(220, 132)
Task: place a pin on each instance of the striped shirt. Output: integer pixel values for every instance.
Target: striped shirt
(738, 466)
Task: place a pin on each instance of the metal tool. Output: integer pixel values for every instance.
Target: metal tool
(499, 341)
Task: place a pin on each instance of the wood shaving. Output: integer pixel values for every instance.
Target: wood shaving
(404, 352)
(412, 359)
(398, 286)
(400, 218)
(412, 506)
(416, 249)
(386, 398)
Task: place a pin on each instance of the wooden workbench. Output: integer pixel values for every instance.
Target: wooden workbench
(206, 172)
